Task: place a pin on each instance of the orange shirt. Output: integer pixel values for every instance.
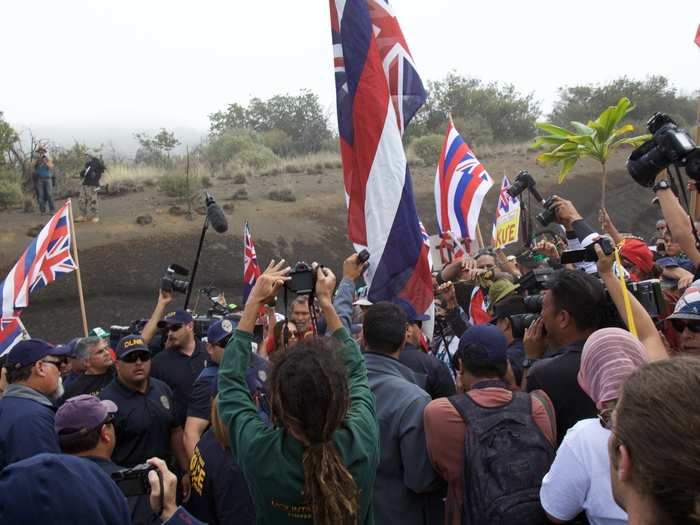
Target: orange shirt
(445, 430)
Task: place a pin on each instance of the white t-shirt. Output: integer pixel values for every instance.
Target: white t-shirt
(579, 478)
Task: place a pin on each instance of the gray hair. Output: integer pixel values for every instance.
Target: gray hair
(83, 346)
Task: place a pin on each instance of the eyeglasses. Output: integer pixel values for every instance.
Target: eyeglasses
(679, 325)
(134, 356)
(605, 418)
(108, 420)
(57, 364)
(174, 327)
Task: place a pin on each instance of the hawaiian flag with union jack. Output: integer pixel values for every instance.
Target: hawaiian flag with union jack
(12, 331)
(461, 183)
(251, 270)
(46, 258)
(378, 91)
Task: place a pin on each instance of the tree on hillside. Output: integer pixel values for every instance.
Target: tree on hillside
(155, 150)
(11, 165)
(294, 124)
(598, 139)
(653, 94)
(484, 113)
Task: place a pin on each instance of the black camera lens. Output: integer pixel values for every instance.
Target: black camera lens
(533, 304)
(645, 163)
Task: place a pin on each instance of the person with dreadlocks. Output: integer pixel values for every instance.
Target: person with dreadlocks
(317, 464)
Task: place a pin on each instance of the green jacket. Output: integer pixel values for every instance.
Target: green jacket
(271, 458)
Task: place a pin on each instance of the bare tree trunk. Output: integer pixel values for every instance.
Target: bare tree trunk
(604, 183)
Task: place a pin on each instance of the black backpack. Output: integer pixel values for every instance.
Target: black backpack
(506, 455)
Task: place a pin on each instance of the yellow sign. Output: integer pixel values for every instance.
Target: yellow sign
(507, 228)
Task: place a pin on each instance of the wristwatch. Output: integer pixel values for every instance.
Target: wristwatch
(528, 362)
(663, 184)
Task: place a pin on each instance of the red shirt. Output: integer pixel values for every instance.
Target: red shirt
(445, 430)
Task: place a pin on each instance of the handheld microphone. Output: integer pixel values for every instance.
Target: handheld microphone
(215, 215)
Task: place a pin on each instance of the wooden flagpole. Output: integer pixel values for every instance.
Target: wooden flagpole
(479, 238)
(74, 244)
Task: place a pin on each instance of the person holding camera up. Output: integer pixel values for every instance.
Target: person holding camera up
(88, 200)
(318, 464)
(42, 175)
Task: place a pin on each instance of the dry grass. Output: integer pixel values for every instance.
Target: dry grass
(312, 163)
(122, 172)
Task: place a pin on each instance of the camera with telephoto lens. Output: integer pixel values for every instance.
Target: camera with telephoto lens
(168, 283)
(303, 279)
(521, 322)
(524, 181)
(134, 481)
(669, 145)
(588, 254)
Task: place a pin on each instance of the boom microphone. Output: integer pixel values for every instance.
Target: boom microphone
(215, 215)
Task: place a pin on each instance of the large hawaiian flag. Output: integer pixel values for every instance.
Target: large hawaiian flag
(378, 92)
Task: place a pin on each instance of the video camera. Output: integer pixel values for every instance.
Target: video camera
(524, 181)
(168, 283)
(535, 281)
(669, 145)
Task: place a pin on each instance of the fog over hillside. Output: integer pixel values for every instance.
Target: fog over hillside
(120, 138)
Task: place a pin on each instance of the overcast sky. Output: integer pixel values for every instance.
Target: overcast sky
(149, 63)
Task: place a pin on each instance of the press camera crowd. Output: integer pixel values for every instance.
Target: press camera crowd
(546, 392)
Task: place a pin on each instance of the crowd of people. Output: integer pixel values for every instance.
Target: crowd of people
(533, 391)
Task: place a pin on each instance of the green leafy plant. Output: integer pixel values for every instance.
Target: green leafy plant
(598, 139)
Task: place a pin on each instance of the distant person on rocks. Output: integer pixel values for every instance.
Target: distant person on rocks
(26, 409)
(145, 422)
(43, 176)
(99, 368)
(88, 201)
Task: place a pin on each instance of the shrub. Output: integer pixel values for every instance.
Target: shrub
(427, 148)
(239, 179)
(205, 181)
(257, 157)
(293, 168)
(10, 192)
(175, 185)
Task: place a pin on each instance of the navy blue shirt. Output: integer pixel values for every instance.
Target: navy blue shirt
(203, 391)
(179, 371)
(439, 382)
(219, 491)
(26, 425)
(143, 422)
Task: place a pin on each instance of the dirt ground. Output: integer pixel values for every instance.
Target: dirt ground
(122, 262)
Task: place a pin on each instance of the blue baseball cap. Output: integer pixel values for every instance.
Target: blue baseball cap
(484, 343)
(69, 346)
(219, 330)
(58, 488)
(30, 351)
(411, 315)
(176, 317)
(131, 343)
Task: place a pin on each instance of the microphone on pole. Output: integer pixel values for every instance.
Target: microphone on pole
(215, 215)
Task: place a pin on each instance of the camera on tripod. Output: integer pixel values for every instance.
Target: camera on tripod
(524, 181)
(669, 145)
(168, 283)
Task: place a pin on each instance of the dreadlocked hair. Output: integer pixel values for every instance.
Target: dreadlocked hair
(309, 398)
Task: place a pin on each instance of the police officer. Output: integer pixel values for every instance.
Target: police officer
(205, 387)
(145, 423)
(26, 410)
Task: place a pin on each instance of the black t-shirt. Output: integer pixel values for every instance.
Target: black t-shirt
(143, 422)
(88, 384)
(203, 391)
(439, 382)
(219, 491)
(179, 372)
(557, 376)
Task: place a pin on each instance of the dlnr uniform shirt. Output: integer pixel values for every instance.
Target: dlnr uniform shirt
(143, 422)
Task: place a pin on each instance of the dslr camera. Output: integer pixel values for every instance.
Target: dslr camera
(169, 283)
(303, 279)
(669, 145)
(524, 181)
(134, 481)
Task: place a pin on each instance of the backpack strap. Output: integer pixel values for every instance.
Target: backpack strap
(549, 409)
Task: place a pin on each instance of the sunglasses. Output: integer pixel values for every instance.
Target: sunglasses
(134, 356)
(605, 418)
(679, 325)
(57, 364)
(174, 327)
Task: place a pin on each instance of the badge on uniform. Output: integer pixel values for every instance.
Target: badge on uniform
(165, 402)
